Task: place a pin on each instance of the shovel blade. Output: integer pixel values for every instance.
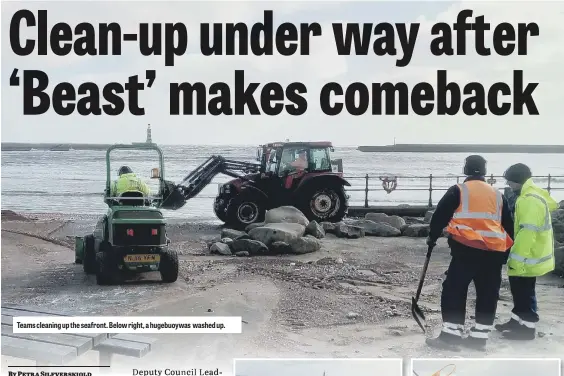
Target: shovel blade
(417, 314)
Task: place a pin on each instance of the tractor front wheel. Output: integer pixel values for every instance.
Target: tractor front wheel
(168, 266)
(89, 257)
(324, 203)
(243, 211)
(219, 205)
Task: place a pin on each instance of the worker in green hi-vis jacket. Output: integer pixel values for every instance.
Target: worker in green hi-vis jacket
(129, 182)
(532, 254)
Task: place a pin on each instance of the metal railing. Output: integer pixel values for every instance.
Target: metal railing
(393, 183)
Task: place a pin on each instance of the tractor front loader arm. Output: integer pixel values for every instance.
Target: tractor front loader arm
(176, 195)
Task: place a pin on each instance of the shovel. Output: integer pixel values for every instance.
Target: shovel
(415, 310)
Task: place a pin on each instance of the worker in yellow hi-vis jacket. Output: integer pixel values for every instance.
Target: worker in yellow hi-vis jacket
(532, 254)
(129, 182)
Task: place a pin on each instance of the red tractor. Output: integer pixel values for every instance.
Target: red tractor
(299, 174)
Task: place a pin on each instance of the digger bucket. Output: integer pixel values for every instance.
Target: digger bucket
(416, 312)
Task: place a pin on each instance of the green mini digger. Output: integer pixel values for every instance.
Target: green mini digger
(131, 237)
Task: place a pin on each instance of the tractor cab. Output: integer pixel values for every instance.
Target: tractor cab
(286, 158)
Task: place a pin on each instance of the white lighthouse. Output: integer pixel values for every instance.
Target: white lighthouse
(149, 139)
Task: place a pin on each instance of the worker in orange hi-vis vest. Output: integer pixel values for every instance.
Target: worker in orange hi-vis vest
(480, 231)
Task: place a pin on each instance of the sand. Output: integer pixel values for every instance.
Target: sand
(351, 299)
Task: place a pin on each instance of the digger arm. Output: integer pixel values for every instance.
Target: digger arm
(176, 195)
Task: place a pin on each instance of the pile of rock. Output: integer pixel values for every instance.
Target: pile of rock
(558, 229)
(285, 230)
(379, 224)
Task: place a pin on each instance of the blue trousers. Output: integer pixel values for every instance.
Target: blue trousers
(524, 298)
(486, 276)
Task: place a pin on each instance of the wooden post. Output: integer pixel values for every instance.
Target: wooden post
(366, 192)
(431, 190)
(548, 187)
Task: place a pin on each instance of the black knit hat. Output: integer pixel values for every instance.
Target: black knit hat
(518, 173)
(475, 165)
(124, 170)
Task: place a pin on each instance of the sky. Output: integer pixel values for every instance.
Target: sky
(488, 367)
(324, 65)
(313, 367)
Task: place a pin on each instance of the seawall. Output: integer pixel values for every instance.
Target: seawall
(461, 148)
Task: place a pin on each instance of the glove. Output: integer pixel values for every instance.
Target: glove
(430, 242)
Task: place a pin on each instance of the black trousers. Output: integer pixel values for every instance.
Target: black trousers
(485, 272)
(524, 298)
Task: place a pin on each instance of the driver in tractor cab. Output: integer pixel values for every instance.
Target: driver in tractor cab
(300, 163)
(129, 182)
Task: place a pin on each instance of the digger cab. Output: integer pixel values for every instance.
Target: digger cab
(283, 158)
(136, 197)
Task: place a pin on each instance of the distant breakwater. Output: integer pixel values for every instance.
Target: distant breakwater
(461, 148)
(9, 146)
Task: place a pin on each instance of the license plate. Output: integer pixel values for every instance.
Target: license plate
(142, 258)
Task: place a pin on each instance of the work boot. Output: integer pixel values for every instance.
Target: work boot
(473, 343)
(520, 334)
(510, 325)
(445, 341)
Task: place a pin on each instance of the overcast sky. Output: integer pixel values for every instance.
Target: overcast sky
(543, 65)
(488, 367)
(313, 367)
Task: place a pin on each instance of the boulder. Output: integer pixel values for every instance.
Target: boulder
(558, 225)
(392, 220)
(416, 230)
(557, 215)
(220, 249)
(412, 220)
(253, 247)
(229, 233)
(428, 216)
(305, 244)
(349, 231)
(225, 240)
(329, 227)
(242, 254)
(273, 232)
(559, 256)
(561, 205)
(285, 214)
(376, 229)
(254, 225)
(280, 248)
(558, 230)
(315, 229)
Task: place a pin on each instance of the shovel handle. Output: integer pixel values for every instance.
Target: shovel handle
(424, 272)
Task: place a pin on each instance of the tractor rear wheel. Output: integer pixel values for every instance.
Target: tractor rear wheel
(169, 266)
(324, 203)
(89, 257)
(107, 272)
(243, 211)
